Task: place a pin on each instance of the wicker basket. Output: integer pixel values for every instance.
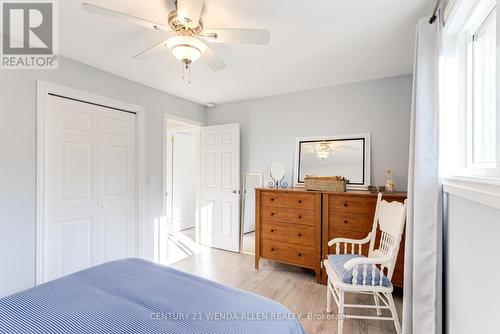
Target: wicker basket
(325, 183)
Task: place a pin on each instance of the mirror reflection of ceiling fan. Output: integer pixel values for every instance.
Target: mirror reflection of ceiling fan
(325, 148)
(188, 42)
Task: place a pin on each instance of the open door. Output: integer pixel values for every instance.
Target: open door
(220, 187)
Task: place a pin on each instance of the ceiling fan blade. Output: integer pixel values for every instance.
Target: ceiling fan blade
(189, 12)
(124, 17)
(213, 60)
(150, 49)
(243, 36)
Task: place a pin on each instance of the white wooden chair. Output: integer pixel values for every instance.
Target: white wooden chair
(349, 271)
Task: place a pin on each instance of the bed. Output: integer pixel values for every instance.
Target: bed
(141, 297)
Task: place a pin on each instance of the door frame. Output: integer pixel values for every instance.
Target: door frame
(198, 126)
(44, 88)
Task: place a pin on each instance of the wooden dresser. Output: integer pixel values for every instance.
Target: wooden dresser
(294, 225)
(288, 227)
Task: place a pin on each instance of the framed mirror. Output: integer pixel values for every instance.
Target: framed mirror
(250, 182)
(347, 156)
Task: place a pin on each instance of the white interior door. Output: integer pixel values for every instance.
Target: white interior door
(220, 183)
(89, 186)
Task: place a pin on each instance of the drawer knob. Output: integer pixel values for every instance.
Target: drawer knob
(272, 199)
(300, 234)
(300, 201)
(272, 230)
(345, 221)
(272, 213)
(300, 254)
(272, 249)
(346, 205)
(300, 217)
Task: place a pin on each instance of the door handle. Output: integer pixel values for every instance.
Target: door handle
(236, 191)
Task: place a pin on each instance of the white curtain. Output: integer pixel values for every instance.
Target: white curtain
(422, 286)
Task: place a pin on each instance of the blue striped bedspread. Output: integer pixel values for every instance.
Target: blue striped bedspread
(141, 297)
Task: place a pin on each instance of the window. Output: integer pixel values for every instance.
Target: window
(470, 132)
(483, 111)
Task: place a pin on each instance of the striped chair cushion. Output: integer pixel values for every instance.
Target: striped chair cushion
(337, 262)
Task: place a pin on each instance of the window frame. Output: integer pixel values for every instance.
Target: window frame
(462, 22)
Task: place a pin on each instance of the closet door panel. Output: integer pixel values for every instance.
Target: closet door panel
(71, 188)
(89, 186)
(117, 186)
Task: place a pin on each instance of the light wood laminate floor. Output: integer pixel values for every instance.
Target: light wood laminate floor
(291, 286)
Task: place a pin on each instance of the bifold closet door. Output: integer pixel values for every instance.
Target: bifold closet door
(89, 186)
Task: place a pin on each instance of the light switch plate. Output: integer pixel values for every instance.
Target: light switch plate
(152, 181)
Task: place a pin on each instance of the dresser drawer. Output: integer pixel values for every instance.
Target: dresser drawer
(289, 253)
(289, 233)
(275, 199)
(352, 222)
(300, 216)
(273, 213)
(286, 200)
(351, 205)
(300, 201)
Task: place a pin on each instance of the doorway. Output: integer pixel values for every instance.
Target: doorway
(181, 196)
(201, 189)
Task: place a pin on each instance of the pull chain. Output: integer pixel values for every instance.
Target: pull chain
(186, 70)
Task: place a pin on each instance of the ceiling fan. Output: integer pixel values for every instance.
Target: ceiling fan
(188, 42)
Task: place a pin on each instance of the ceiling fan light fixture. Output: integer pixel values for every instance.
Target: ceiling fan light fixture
(187, 49)
(186, 22)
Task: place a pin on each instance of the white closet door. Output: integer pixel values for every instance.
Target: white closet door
(220, 178)
(117, 186)
(90, 186)
(71, 183)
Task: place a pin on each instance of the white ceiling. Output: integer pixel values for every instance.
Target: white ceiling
(314, 43)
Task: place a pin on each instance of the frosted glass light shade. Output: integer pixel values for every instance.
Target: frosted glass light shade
(185, 48)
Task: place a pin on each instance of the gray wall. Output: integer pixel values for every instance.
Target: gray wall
(18, 154)
(269, 126)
